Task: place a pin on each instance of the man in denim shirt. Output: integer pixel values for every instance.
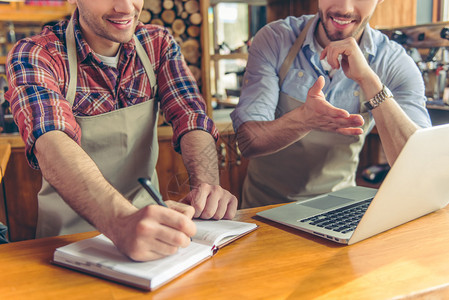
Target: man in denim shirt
(314, 87)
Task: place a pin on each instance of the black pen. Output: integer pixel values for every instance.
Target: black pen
(146, 183)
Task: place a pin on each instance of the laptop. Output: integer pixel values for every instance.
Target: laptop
(417, 184)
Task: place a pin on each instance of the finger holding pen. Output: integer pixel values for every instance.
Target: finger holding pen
(180, 207)
(152, 232)
(184, 209)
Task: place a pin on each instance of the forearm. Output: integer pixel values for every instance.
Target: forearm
(392, 123)
(79, 181)
(199, 155)
(394, 128)
(258, 138)
(262, 138)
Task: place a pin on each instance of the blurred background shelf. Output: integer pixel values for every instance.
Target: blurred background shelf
(21, 12)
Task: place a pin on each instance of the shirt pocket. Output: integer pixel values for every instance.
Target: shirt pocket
(346, 95)
(93, 103)
(297, 83)
(136, 91)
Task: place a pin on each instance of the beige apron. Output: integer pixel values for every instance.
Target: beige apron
(123, 144)
(318, 163)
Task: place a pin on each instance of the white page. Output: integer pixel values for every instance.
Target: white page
(214, 232)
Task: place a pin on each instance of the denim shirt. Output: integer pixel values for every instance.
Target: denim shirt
(260, 91)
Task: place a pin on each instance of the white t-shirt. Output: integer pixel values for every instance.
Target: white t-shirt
(108, 60)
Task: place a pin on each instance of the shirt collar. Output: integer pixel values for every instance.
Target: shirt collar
(367, 44)
(83, 48)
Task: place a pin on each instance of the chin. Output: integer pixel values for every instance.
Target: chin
(123, 38)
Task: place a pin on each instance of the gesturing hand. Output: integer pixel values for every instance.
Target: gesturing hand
(319, 114)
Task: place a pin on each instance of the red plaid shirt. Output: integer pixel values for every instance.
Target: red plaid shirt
(38, 76)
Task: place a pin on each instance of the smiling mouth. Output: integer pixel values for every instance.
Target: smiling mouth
(124, 22)
(342, 22)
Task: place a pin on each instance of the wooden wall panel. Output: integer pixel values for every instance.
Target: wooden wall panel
(394, 13)
(22, 184)
(280, 9)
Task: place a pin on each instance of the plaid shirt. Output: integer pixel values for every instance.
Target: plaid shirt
(38, 76)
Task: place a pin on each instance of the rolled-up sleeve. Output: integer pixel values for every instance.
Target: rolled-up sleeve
(181, 101)
(260, 90)
(35, 97)
(405, 81)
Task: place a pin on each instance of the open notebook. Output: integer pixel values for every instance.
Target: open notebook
(99, 256)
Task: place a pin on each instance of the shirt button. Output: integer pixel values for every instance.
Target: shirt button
(300, 74)
(246, 81)
(356, 93)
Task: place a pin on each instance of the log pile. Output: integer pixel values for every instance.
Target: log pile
(183, 20)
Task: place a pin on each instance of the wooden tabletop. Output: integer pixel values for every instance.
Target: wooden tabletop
(273, 262)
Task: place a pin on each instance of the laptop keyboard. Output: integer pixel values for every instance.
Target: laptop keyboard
(342, 220)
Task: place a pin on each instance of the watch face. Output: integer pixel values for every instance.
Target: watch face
(388, 93)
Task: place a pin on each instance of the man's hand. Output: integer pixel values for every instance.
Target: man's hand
(154, 231)
(209, 199)
(321, 115)
(212, 202)
(353, 64)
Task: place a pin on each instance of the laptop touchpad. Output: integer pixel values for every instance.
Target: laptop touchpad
(326, 202)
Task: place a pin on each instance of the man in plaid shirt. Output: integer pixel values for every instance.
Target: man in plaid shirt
(85, 95)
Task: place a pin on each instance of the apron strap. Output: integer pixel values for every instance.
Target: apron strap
(147, 64)
(73, 63)
(294, 50)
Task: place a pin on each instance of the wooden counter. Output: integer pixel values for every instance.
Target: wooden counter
(273, 262)
(164, 133)
(5, 153)
(13, 139)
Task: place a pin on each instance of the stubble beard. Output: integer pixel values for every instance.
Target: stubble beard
(339, 35)
(101, 31)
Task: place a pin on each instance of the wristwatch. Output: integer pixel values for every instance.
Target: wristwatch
(380, 97)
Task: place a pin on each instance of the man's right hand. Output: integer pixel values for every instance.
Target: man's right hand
(319, 114)
(154, 231)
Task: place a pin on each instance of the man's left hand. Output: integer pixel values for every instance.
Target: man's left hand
(211, 202)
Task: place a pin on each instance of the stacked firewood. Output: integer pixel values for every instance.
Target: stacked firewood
(183, 20)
